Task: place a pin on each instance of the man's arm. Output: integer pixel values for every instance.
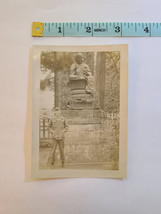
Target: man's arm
(50, 126)
(65, 126)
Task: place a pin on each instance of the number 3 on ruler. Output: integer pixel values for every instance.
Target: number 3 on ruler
(117, 29)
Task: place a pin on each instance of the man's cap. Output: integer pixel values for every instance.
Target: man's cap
(79, 55)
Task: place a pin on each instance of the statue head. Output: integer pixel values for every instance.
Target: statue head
(79, 58)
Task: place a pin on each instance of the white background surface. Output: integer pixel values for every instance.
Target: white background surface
(141, 191)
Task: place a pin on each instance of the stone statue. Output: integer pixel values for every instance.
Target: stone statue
(80, 70)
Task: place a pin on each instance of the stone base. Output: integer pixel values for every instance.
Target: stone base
(44, 164)
(83, 113)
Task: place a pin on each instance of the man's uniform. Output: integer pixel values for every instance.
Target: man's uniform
(57, 127)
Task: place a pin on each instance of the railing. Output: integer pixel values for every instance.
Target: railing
(43, 128)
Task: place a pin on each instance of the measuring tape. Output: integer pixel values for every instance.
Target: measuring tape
(111, 29)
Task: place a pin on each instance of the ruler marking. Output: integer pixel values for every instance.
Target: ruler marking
(77, 27)
(135, 27)
(49, 27)
(106, 27)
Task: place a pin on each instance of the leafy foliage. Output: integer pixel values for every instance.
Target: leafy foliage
(112, 82)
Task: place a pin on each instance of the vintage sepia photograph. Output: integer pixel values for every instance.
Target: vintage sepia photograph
(79, 111)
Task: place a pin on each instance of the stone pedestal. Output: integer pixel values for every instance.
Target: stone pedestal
(79, 98)
(77, 84)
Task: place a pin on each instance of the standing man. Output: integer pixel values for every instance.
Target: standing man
(57, 127)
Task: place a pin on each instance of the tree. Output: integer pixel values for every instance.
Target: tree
(112, 82)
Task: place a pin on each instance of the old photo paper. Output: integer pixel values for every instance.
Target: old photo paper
(79, 111)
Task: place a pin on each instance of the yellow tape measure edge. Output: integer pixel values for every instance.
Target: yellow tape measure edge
(37, 29)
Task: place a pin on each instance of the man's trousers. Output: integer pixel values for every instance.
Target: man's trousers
(60, 143)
